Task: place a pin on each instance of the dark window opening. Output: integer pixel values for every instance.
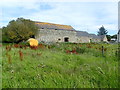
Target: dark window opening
(55, 29)
(66, 39)
(42, 28)
(59, 39)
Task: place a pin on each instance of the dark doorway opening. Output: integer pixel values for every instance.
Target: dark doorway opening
(66, 39)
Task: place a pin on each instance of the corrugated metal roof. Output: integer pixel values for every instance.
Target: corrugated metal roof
(54, 26)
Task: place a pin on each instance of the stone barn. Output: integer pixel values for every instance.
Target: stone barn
(49, 32)
(85, 37)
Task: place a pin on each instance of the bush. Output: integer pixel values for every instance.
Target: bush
(80, 50)
(19, 30)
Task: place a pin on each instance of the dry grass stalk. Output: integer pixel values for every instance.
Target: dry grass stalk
(8, 48)
(21, 55)
(9, 58)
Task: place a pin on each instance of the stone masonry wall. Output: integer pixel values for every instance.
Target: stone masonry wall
(51, 35)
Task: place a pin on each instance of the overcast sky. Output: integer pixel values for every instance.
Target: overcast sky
(83, 16)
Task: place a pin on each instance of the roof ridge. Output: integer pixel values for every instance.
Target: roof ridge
(51, 23)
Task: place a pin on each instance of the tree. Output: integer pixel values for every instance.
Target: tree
(102, 31)
(114, 36)
(108, 37)
(19, 30)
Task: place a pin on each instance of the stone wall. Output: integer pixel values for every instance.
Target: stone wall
(82, 39)
(51, 35)
(105, 39)
(96, 40)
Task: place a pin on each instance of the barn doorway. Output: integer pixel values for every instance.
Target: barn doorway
(66, 39)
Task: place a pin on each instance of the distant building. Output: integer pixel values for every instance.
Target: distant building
(49, 32)
(113, 39)
(85, 37)
(103, 38)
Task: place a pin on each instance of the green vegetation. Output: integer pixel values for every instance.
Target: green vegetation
(60, 66)
(102, 31)
(19, 30)
(109, 37)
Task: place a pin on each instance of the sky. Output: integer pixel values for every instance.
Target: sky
(81, 15)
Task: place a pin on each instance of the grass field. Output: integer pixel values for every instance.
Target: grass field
(60, 66)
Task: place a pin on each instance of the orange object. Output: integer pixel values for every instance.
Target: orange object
(33, 42)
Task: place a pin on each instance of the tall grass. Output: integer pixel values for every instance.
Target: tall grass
(54, 68)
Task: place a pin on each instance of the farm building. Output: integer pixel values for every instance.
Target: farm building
(49, 32)
(85, 37)
(103, 38)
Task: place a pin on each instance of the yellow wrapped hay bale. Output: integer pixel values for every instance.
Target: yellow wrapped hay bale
(33, 42)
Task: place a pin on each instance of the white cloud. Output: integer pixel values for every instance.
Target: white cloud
(79, 16)
(28, 4)
(84, 16)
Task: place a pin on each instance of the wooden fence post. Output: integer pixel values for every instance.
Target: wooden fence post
(102, 51)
